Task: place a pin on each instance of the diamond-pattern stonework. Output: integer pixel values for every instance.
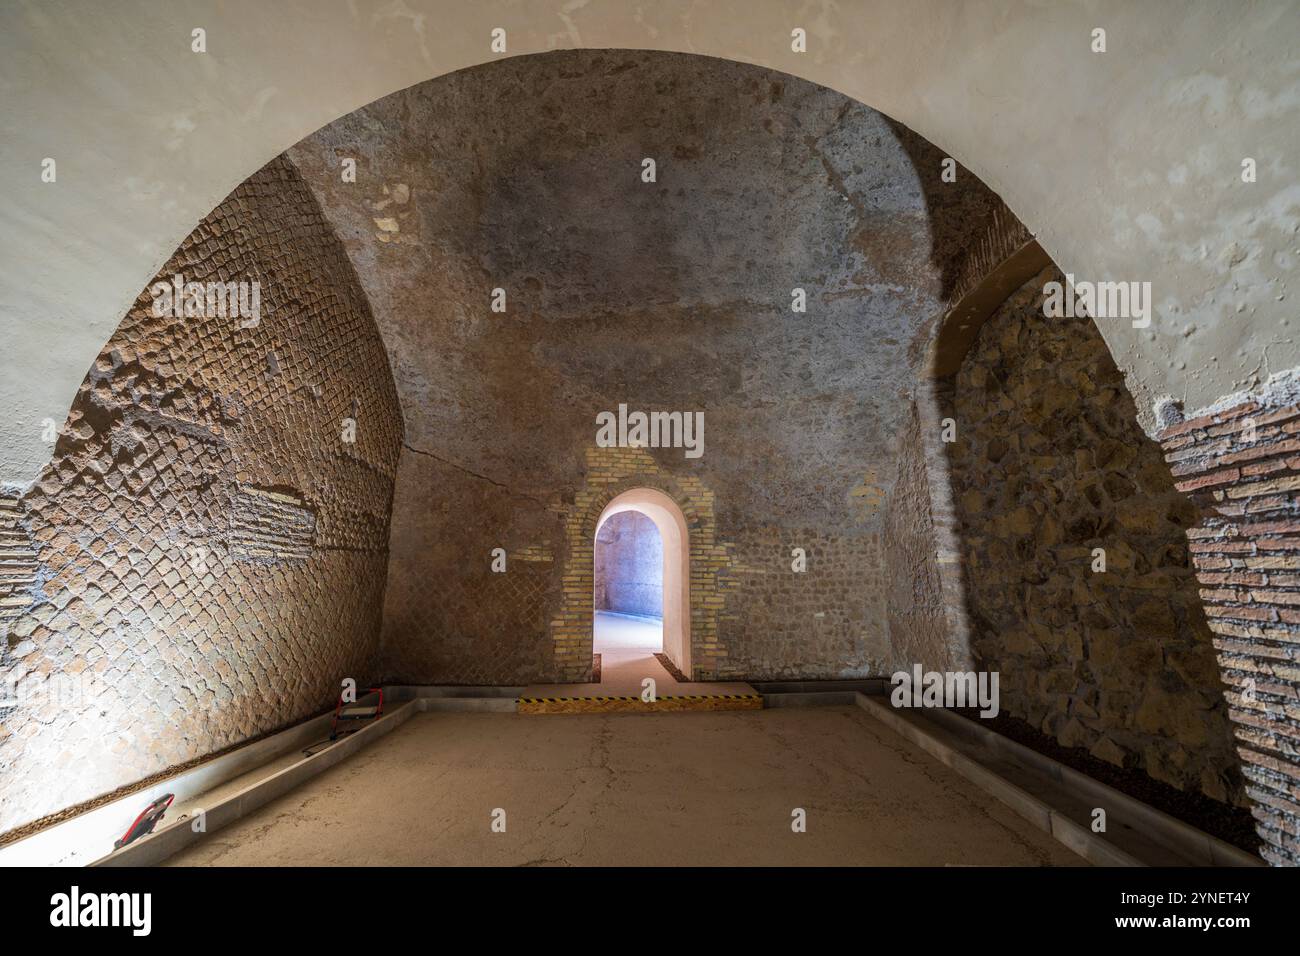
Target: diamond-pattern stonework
(155, 634)
(17, 561)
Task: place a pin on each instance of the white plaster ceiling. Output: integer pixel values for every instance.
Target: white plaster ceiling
(1125, 164)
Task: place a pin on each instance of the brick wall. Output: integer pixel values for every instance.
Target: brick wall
(630, 565)
(823, 623)
(450, 619)
(17, 562)
(203, 559)
(610, 472)
(1241, 467)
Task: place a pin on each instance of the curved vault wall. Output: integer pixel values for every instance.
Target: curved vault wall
(725, 563)
(675, 295)
(207, 552)
(672, 296)
(1125, 164)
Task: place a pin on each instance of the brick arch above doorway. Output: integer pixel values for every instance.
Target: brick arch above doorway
(612, 472)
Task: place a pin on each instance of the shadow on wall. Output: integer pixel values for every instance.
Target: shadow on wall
(971, 232)
(629, 566)
(959, 206)
(209, 540)
(1051, 474)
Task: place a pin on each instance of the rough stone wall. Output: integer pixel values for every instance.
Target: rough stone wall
(925, 598)
(914, 598)
(1241, 466)
(209, 550)
(1049, 464)
(671, 295)
(629, 565)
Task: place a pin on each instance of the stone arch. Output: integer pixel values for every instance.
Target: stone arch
(917, 65)
(664, 485)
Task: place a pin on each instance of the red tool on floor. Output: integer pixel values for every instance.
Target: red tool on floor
(357, 711)
(146, 821)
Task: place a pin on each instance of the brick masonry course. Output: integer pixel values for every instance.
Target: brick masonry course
(1246, 551)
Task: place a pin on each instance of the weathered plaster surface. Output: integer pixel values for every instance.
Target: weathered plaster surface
(675, 295)
(1126, 164)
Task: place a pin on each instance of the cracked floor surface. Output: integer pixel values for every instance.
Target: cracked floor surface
(656, 790)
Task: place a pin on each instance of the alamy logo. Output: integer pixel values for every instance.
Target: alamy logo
(103, 909)
(208, 300)
(651, 430)
(946, 689)
(1100, 300)
(39, 690)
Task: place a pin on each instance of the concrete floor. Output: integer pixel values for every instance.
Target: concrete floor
(627, 647)
(659, 790)
(626, 636)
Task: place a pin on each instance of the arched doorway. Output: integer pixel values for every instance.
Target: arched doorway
(627, 606)
(631, 591)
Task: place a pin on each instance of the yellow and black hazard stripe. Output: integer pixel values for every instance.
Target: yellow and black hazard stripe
(611, 704)
(552, 700)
